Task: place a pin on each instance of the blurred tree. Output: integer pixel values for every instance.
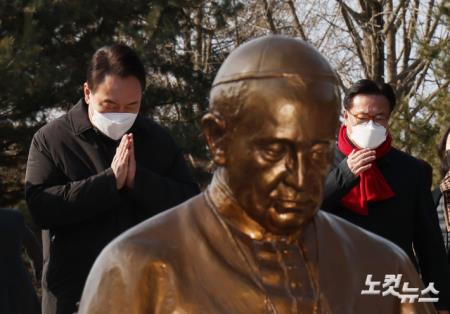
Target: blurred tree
(45, 46)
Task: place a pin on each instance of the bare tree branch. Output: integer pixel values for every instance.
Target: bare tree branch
(298, 26)
(341, 84)
(391, 50)
(359, 17)
(407, 78)
(269, 17)
(198, 19)
(393, 15)
(236, 26)
(412, 67)
(419, 105)
(432, 29)
(377, 41)
(325, 35)
(406, 41)
(429, 16)
(207, 53)
(355, 37)
(411, 30)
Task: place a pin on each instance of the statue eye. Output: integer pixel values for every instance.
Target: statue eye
(274, 151)
(320, 153)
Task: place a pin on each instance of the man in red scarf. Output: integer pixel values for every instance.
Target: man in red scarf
(382, 189)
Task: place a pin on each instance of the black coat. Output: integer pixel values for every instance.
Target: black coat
(408, 219)
(17, 295)
(71, 190)
(437, 194)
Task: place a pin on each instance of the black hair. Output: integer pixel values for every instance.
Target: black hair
(117, 59)
(369, 87)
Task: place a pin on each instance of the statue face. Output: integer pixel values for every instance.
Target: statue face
(279, 151)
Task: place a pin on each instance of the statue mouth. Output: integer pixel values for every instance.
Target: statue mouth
(286, 206)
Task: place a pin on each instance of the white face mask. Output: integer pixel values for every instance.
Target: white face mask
(113, 124)
(368, 135)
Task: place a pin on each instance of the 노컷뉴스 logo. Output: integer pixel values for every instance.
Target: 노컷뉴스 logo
(391, 286)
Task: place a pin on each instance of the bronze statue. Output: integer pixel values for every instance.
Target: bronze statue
(254, 241)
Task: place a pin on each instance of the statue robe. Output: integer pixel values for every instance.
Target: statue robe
(190, 260)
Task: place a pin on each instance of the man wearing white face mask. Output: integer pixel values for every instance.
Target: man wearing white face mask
(382, 189)
(97, 171)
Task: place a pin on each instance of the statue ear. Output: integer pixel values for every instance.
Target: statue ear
(214, 129)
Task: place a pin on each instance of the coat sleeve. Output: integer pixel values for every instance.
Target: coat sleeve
(34, 250)
(53, 200)
(339, 182)
(154, 192)
(429, 246)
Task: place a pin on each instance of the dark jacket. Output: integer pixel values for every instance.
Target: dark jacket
(408, 219)
(437, 194)
(17, 295)
(71, 190)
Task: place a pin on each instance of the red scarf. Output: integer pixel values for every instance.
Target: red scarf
(372, 185)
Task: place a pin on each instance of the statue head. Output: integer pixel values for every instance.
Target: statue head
(271, 126)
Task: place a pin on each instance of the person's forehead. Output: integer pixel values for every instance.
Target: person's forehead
(114, 86)
(370, 102)
(113, 81)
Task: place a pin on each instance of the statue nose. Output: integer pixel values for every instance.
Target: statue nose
(297, 170)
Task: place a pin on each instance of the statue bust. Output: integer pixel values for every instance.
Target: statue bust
(255, 240)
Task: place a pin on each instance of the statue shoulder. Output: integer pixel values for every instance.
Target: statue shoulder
(151, 235)
(160, 235)
(125, 277)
